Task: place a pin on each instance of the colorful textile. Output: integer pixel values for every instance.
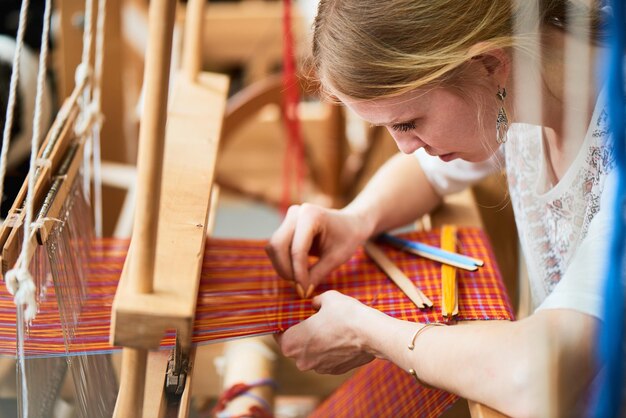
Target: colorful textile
(241, 295)
(382, 389)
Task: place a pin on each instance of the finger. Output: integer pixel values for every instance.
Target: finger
(306, 230)
(323, 267)
(288, 342)
(278, 247)
(317, 302)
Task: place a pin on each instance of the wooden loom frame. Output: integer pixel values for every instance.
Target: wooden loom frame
(159, 284)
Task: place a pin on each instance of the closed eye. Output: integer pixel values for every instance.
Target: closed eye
(403, 127)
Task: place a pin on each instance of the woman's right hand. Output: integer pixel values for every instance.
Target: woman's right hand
(330, 234)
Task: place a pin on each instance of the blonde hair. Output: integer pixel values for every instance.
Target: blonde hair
(369, 49)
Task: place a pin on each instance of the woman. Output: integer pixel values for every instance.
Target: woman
(440, 75)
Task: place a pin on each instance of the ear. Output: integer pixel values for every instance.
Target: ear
(496, 61)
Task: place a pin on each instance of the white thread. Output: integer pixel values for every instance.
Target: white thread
(91, 117)
(11, 281)
(82, 73)
(87, 33)
(21, 360)
(26, 291)
(8, 124)
(25, 296)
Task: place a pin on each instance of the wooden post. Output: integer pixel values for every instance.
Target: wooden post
(149, 170)
(132, 381)
(151, 143)
(192, 49)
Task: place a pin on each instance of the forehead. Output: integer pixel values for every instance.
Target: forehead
(388, 110)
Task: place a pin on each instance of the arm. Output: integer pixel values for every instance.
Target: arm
(504, 365)
(509, 366)
(397, 194)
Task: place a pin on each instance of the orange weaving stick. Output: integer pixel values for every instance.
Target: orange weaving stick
(449, 289)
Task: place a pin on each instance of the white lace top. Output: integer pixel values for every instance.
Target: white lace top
(564, 229)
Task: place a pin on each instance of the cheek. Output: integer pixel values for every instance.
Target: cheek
(461, 127)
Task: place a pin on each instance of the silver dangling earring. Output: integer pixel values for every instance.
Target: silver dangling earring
(502, 121)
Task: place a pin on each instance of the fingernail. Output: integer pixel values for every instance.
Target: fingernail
(300, 290)
(309, 291)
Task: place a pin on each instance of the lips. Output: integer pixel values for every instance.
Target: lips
(447, 157)
(444, 157)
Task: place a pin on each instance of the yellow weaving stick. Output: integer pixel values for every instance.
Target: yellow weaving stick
(449, 287)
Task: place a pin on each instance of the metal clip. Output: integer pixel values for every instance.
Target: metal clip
(177, 369)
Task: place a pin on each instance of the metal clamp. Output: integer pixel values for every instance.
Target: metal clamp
(177, 369)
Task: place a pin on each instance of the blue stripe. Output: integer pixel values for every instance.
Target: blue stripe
(612, 330)
(458, 258)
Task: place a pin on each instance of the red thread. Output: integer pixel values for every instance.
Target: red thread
(236, 390)
(293, 164)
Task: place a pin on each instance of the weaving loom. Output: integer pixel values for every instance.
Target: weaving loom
(63, 222)
(168, 271)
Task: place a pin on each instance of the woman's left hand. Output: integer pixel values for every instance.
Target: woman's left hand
(332, 341)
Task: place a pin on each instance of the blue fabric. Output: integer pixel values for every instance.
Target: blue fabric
(611, 349)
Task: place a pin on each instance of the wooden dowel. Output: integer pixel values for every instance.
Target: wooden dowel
(151, 144)
(449, 299)
(192, 47)
(404, 283)
(132, 382)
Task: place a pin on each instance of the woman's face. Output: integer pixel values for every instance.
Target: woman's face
(445, 124)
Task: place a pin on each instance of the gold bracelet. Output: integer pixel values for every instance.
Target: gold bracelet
(411, 346)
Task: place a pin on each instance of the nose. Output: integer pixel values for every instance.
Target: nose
(406, 142)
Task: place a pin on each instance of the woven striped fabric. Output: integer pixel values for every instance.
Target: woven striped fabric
(241, 295)
(381, 389)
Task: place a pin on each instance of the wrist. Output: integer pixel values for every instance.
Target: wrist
(376, 333)
(364, 221)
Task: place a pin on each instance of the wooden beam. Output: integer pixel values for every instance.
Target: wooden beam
(192, 49)
(193, 130)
